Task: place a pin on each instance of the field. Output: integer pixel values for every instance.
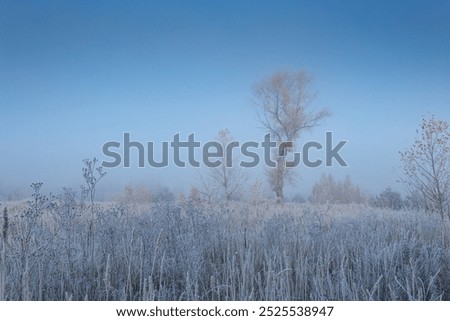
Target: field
(63, 249)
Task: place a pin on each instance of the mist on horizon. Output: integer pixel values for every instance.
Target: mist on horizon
(74, 77)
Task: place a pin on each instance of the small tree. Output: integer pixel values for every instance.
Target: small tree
(323, 190)
(225, 181)
(388, 199)
(283, 102)
(426, 165)
(327, 190)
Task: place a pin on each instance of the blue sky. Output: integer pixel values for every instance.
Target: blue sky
(75, 74)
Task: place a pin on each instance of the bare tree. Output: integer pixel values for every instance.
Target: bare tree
(283, 102)
(207, 189)
(227, 178)
(426, 165)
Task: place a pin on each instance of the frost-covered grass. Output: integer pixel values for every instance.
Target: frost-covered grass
(192, 251)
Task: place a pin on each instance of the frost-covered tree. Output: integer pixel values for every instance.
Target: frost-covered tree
(388, 199)
(284, 102)
(323, 190)
(426, 165)
(328, 190)
(226, 179)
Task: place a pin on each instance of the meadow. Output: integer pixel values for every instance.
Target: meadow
(185, 249)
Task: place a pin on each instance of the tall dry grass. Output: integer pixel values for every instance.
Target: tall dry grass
(192, 251)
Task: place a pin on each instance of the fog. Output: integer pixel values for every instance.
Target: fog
(294, 150)
(74, 77)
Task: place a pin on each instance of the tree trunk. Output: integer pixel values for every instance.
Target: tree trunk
(279, 179)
